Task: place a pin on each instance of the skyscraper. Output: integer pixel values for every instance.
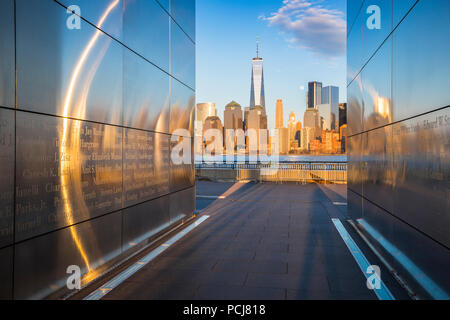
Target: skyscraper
(292, 126)
(314, 94)
(279, 114)
(330, 95)
(342, 114)
(311, 118)
(257, 87)
(232, 116)
(205, 110)
(326, 116)
(232, 120)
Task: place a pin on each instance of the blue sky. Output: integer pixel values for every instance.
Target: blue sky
(300, 41)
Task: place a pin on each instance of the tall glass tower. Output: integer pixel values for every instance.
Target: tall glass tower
(257, 90)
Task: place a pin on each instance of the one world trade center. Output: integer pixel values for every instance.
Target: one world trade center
(257, 89)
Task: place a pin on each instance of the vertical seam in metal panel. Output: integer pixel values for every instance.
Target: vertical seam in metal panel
(123, 193)
(123, 136)
(122, 212)
(176, 22)
(392, 100)
(15, 152)
(170, 106)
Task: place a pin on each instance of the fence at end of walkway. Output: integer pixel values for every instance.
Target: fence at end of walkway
(300, 172)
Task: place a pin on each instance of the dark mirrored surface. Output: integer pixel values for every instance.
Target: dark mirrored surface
(146, 30)
(87, 245)
(7, 177)
(67, 171)
(6, 272)
(146, 95)
(376, 79)
(182, 204)
(77, 73)
(182, 56)
(422, 173)
(354, 204)
(420, 60)
(431, 256)
(144, 221)
(146, 166)
(7, 53)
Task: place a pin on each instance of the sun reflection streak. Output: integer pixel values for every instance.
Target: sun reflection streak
(65, 147)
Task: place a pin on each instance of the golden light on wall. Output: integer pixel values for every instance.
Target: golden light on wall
(71, 158)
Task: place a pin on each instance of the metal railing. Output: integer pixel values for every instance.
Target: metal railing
(303, 172)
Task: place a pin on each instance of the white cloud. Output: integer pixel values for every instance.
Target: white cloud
(310, 25)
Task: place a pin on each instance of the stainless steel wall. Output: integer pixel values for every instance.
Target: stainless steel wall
(86, 123)
(399, 133)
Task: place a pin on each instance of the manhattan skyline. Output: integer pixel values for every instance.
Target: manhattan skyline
(292, 57)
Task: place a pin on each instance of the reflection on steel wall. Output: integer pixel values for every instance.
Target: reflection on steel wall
(85, 134)
(399, 135)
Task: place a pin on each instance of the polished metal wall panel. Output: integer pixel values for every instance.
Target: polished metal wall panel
(355, 106)
(354, 205)
(354, 158)
(429, 257)
(40, 264)
(146, 95)
(376, 79)
(146, 30)
(353, 9)
(355, 48)
(164, 4)
(86, 153)
(378, 183)
(182, 56)
(422, 164)
(106, 15)
(145, 167)
(404, 164)
(77, 73)
(182, 169)
(182, 204)
(7, 155)
(363, 164)
(373, 38)
(144, 220)
(67, 171)
(400, 9)
(182, 12)
(182, 101)
(420, 60)
(7, 53)
(6, 272)
(379, 219)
